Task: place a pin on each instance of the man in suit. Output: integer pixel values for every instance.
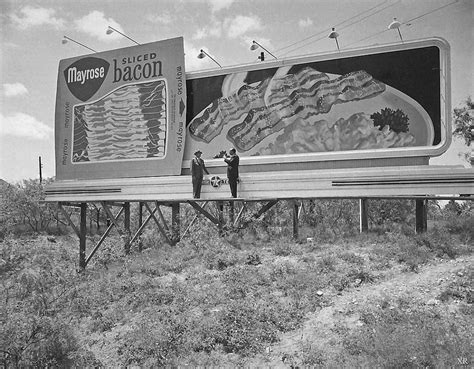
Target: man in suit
(232, 161)
(197, 169)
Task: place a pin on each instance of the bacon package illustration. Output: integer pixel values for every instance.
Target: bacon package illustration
(130, 123)
(121, 113)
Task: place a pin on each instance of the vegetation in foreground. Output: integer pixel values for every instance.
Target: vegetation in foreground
(254, 298)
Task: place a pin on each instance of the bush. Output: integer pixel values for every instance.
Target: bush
(403, 338)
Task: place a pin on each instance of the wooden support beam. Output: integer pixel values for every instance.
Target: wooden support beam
(82, 237)
(204, 212)
(301, 209)
(140, 230)
(140, 214)
(68, 218)
(192, 221)
(111, 218)
(220, 212)
(237, 219)
(265, 208)
(102, 239)
(175, 223)
(127, 235)
(162, 231)
(295, 206)
(421, 223)
(160, 214)
(363, 215)
(231, 212)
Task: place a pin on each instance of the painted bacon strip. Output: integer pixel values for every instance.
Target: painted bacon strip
(302, 104)
(127, 124)
(227, 110)
(255, 112)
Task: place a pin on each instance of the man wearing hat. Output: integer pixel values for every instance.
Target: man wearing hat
(197, 169)
(232, 161)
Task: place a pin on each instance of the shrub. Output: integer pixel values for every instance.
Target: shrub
(402, 338)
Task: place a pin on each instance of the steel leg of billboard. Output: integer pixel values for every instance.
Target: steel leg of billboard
(363, 213)
(421, 224)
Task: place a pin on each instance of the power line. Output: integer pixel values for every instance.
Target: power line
(406, 22)
(325, 30)
(346, 26)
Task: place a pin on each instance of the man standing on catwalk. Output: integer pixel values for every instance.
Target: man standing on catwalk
(232, 161)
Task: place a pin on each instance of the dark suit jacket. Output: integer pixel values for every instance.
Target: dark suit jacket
(198, 167)
(232, 167)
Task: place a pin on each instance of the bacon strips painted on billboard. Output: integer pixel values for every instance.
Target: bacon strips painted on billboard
(359, 104)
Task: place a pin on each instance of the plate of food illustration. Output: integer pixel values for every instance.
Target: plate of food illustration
(310, 111)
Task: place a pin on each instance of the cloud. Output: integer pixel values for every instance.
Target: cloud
(217, 5)
(162, 18)
(303, 23)
(241, 24)
(213, 30)
(24, 125)
(34, 16)
(232, 27)
(95, 24)
(14, 89)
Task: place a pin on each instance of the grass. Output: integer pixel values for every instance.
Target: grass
(211, 301)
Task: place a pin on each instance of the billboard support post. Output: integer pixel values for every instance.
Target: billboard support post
(295, 219)
(421, 224)
(127, 236)
(175, 223)
(82, 236)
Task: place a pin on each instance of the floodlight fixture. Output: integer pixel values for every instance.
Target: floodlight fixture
(334, 35)
(396, 25)
(111, 30)
(203, 54)
(66, 39)
(255, 45)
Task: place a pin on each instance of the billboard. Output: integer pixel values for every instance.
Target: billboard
(121, 113)
(387, 101)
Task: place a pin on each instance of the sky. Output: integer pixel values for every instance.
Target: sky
(32, 32)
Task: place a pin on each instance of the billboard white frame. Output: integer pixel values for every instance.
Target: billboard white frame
(390, 155)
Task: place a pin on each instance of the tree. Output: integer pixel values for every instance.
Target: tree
(464, 121)
(24, 204)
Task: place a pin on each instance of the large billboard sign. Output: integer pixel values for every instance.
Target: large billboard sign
(121, 113)
(388, 101)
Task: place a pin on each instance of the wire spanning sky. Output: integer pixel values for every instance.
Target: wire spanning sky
(32, 30)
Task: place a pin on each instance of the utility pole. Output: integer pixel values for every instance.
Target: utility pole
(40, 171)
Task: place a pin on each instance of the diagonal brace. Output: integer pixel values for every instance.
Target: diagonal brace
(163, 232)
(204, 212)
(104, 236)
